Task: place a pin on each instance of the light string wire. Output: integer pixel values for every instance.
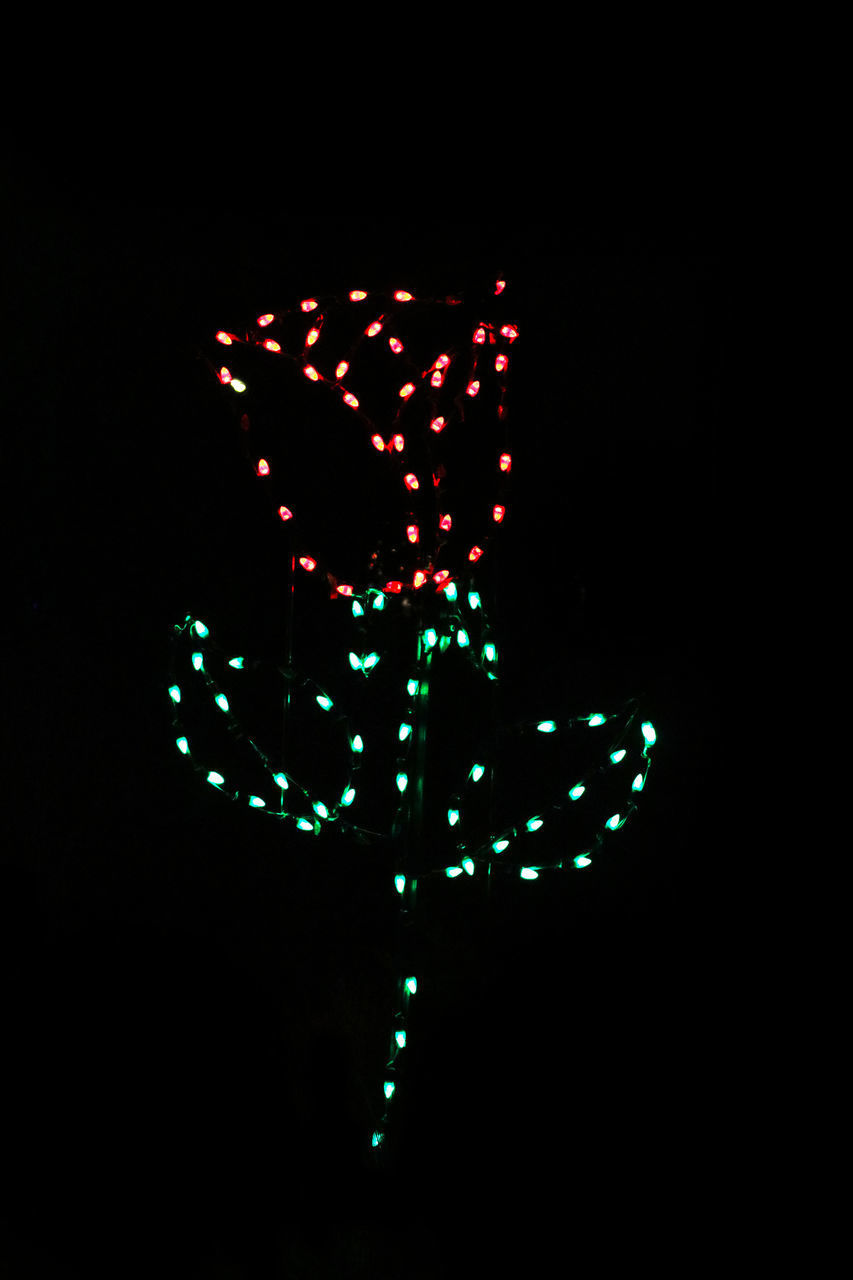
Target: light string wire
(438, 586)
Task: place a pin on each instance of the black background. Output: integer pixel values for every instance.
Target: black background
(194, 1016)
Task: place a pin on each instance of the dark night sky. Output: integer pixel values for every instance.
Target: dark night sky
(192, 1014)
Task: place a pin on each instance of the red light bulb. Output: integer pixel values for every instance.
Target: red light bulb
(285, 513)
(398, 443)
(402, 296)
(506, 462)
(357, 295)
(377, 442)
(224, 376)
(412, 533)
(446, 522)
(475, 553)
(307, 563)
(350, 399)
(224, 338)
(437, 424)
(313, 335)
(499, 513)
(407, 390)
(411, 481)
(272, 346)
(372, 329)
(341, 369)
(308, 305)
(311, 372)
(472, 388)
(395, 345)
(263, 467)
(263, 321)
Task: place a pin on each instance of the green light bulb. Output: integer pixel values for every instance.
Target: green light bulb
(477, 772)
(411, 985)
(355, 661)
(201, 629)
(453, 872)
(236, 662)
(500, 845)
(370, 662)
(304, 825)
(430, 637)
(444, 644)
(534, 824)
(399, 883)
(489, 652)
(183, 746)
(577, 792)
(377, 1139)
(379, 601)
(616, 756)
(348, 796)
(613, 823)
(405, 730)
(450, 591)
(462, 639)
(402, 781)
(474, 600)
(281, 780)
(546, 726)
(389, 1088)
(198, 661)
(320, 809)
(221, 701)
(453, 816)
(257, 803)
(649, 732)
(175, 693)
(582, 860)
(468, 865)
(637, 784)
(412, 688)
(325, 702)
(596, 719)
(357, 611)
(528, 873)
(400, 1037)
(215, 779)
(357, 744)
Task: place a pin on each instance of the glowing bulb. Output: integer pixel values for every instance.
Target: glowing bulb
(280, 780)
(263, 321)
(350, 400)
(221, 701)
(412, 533)
(437, 424)
(224, 338)
(399, 883)
(341, 369)
(325, 701)
(596, 719)
(499, 513)
(477, 772)
(358, 743)
(372, 330)
(271, 345)
(285, 513)
(411, 481)
(506, 462)
(546, 726)
(307, 563)
(577, 791)
(472, 388)
(649, 732)
(402, 781)
(446, 522)
(263, 467)
(377, 442)
(616, 756)
(406, 390)
(310, 304)
(402, 296)
(215, 779)
(475, 553)
(311, 372)
(527, 873)
(257, 803)
(357, 295)
(183, 746)
(411, 985)
(452, 817)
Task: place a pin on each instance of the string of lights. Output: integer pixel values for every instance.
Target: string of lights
(410, 609)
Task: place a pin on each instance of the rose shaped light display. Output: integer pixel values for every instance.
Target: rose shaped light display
(414, 393)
